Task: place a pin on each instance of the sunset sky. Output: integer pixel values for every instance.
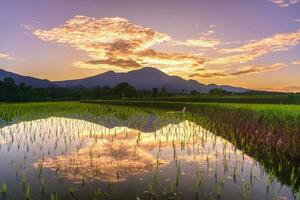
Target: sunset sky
(249, 43)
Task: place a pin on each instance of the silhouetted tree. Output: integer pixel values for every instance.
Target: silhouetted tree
(163, 92)
(219, 91)
(155, 92)
(194, 92)
(125, 90)
(9, 92)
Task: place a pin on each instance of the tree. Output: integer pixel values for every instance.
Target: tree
(194, 92)
(155, 92)
(9, 89)
(163, 92)
(130, 92)
(219, 91)
(124, 89)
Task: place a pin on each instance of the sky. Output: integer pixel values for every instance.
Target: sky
(249, 43)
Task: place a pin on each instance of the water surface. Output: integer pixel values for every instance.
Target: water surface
(77, 159)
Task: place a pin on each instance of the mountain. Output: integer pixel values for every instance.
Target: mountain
(143, 79)
(28, 80)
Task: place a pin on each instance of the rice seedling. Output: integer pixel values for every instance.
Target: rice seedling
(54, 196)
(27, 192)
(4, 190)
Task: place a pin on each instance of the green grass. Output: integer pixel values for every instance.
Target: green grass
(27, 111)
(242, 98)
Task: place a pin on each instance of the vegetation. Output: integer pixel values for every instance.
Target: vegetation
(14, 112)
(275, 125)
(212, 116)
(10, 92)
(252, 97)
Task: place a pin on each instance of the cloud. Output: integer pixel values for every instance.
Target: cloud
(108, 62)
(5, 56)
(116, 42)
(283, 89)
(256, 48)
(207, 75)
(254, 69)
(290, 89)
(296, 62)
(285, 3)
(251, 69)
(205, 40)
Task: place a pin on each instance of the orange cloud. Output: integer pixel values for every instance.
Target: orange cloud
(283, 89)
(251, 69)
(257, 48)
(116, 42)
(296, 62)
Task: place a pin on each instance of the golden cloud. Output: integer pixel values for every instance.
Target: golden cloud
(257, 48)
(284, 3)
(116, 42)
(254, 69)
(108, 63)
(208, 75)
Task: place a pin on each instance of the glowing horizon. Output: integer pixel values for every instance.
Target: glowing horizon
(240, 46)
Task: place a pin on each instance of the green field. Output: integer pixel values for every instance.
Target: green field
(268, 133)
(237, 98)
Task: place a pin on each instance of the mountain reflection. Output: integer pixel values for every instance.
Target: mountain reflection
(114, 154)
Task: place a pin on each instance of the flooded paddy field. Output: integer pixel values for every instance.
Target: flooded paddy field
(110, 152)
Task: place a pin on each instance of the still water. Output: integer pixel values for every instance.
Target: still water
(67, 158)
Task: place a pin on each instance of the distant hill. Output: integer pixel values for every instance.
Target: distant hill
(143, 79)
(34, 82)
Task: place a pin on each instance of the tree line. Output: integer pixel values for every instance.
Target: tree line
(12, 92)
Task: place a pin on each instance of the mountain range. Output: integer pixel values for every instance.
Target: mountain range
(145, 78)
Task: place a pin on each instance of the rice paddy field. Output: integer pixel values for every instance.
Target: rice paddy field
(149, 150)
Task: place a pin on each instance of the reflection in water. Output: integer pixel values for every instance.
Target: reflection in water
(105, 160)
(180, 158)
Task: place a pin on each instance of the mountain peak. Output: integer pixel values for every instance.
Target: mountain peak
(148, 70)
